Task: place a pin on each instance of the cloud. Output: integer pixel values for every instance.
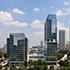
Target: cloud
(36, 9)
(51, 7)
(68, 10)
(63, 12)
(7, 19)
(60, 13)
(16, 24)
(37, 24)
(66, 3)
(60, 26)
(18, 11)
(35, 38)
(5, 16)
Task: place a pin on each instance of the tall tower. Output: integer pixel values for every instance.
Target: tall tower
(62, 39)
(51, 38)
(69, 35)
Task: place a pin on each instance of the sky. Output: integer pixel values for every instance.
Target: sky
(28, 16)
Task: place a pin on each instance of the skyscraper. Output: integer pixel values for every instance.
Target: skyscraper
(69, 35)
(51, 38)
(17, 46)
(62, 39)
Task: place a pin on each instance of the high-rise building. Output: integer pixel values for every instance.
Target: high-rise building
(69, 35)
(17, 45)
(62, 39)
(51, 38)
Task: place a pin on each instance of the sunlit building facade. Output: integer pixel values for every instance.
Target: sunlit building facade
(36, 54)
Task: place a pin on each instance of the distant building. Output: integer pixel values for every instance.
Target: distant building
(67, 47)
(51, 38)
(17, 45)
(62, 39)
(4, 48)
(41, 46)
(37, 53)
(69, 35)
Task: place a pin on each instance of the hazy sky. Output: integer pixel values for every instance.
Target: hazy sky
(28, 16)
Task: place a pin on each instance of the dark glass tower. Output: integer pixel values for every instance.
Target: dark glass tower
(17, 45)
(51, 38)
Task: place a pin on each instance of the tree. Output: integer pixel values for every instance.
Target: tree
(45, 67)
(25, 63)
(39, 62)
(6, 68)
(30, 68)
(0, 67)
(21, 69)
(59, 56)
(37, 65)
(44, 63)
(51, 68)
(61, 53)
(64, 63)
(30, 63)
(13, 67)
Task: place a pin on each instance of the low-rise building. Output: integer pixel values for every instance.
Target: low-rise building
(36, 53)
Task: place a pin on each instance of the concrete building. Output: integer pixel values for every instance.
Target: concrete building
(50, 38)
(62, 39)
(35, 54)
(17, 45)
(69, 35)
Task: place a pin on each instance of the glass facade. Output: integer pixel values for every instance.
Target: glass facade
(17, 47)
(51, 37)
(51, 27)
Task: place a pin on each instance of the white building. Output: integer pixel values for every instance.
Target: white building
(36, 53)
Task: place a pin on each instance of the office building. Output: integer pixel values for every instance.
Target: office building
(17, 45)
(51, 38)
(35, 54)
(69, 35)
(62, 39)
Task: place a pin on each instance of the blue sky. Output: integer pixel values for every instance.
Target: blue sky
(28, 16)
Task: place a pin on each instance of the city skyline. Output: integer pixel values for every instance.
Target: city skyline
(29, 17)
